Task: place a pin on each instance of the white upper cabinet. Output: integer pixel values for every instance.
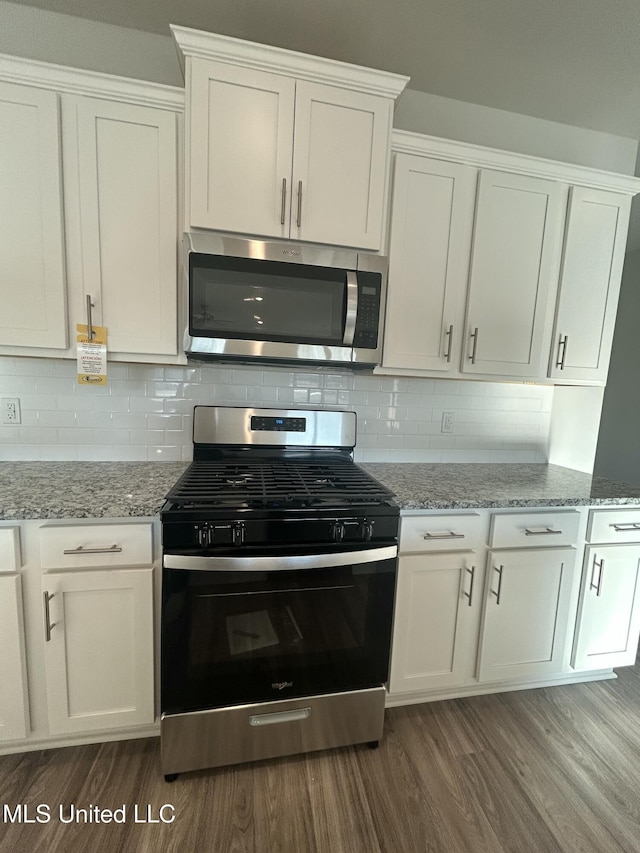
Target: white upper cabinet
(478, 246)
(122, 220)
(31, 221)
(280, 144)
(340, 160)
(90, 175)
(431, 227)
(514, 266)
(240, 175)
(589, 284)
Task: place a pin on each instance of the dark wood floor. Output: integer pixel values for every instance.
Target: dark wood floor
(541, 770)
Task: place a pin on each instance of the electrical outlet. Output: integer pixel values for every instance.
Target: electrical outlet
(448, 422)
(11, 410)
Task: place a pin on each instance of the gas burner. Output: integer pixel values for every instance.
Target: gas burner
(239, 481)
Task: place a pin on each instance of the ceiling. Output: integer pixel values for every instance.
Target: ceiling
(572, 61)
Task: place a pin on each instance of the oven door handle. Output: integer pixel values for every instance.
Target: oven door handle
(279, 564)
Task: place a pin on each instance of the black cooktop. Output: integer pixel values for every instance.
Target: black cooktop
(264, 483)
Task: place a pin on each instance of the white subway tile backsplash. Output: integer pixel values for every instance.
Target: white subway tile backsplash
(164, 421)
(145, 411)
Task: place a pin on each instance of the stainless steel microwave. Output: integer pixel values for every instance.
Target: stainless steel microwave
(280, 302)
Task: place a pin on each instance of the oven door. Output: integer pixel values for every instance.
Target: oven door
(239, 630)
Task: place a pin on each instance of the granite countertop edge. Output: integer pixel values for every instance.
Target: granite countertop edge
(85, 490)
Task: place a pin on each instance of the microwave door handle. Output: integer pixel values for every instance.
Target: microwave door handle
(352, 308)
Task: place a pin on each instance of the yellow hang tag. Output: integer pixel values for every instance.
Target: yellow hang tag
(92, 355)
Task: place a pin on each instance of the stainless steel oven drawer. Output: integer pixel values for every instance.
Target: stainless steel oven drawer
(221, 736)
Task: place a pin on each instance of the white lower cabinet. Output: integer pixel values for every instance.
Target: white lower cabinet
(98, 629)
(436, 620)
(526, 613)
(608, 625)
(77, 639)
(14, 710)
(486, 600)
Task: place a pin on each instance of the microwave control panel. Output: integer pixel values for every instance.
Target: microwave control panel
(368, 319)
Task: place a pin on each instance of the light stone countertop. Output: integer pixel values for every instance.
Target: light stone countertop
(85, 489)
(478, 485)
(122, 489)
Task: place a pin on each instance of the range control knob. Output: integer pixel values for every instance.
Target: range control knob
(205, 535)
(337, 531)
(367, 529)
(238, 533)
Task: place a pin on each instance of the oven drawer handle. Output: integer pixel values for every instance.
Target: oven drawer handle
(279, 564)
(280, 717)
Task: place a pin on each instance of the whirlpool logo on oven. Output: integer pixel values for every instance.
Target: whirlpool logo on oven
(280, 685)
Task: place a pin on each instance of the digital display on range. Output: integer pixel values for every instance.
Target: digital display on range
(271, 424)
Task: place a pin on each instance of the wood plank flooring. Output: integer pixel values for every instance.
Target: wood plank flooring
(554, 769)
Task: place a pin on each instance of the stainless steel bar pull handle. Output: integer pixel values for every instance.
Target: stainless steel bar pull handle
(545, 531)
(474, 348)
(48, 624)
(497, 593)
(449, 336)
(352, 309)
(280, 717)
(469, 595)
(80, 550)
(562, 351)
(452, 535)
(90, 332)
(283, 205)
(623, 528)
(597, 586)
(299, 217)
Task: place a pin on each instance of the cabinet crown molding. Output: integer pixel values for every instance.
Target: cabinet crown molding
(78, 81)
(408, 142)
(276, 60)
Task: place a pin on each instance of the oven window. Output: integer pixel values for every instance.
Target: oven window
(232, 638)
(265, 300)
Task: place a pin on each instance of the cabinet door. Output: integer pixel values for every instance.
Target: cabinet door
(526, 613)
(31, 232)
(436, 621)
(125, 220)
(99, 649)
(240, 141)
(514, 268)
(340, 161)
(609, 613)
(14, 715)
(431, 224)
(589, 284)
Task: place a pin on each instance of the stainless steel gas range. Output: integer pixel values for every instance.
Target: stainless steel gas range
(279, 571)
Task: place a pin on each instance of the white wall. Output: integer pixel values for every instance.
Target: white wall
(618, 452)
(50, 37)
(66, 40)
(146, 412)
(425, 113)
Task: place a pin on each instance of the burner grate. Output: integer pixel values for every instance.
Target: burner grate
(263, 483)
